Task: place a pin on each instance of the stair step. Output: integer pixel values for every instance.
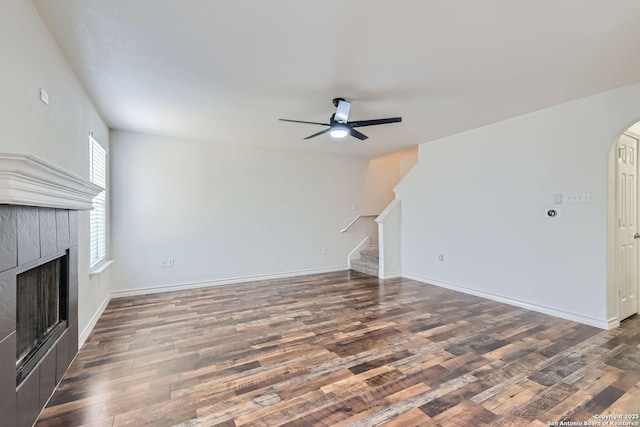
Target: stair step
(365, 266)
(372, 255)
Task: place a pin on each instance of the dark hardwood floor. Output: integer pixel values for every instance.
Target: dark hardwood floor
(343, 349)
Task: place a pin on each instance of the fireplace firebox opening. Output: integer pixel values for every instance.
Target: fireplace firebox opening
(41, 311)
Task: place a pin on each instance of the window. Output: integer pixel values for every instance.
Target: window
(98, 221)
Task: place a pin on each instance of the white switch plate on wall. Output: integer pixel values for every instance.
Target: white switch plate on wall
(577, 198)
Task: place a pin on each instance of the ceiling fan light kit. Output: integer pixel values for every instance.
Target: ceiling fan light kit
(339, 132)
(340, 127)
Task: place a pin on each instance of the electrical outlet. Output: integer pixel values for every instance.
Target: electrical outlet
(441, 257)
(163, 262)
(44, 96)
(324, 251)
(169, 262)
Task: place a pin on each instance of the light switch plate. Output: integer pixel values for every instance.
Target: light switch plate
(578, 198)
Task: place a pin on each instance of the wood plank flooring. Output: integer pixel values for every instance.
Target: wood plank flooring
(342, 349)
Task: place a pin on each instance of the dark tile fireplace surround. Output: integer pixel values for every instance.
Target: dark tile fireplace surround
(30, 236)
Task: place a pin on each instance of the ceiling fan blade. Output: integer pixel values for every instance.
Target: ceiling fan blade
(357, 134)
(302, 121)
(318, 133)
(361, 123)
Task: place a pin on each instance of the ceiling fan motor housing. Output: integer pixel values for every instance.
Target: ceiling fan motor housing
(342, 110)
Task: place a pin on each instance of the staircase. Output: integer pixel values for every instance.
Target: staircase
(369, 261)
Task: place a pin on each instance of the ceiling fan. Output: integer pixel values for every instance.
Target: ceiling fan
(339, 126)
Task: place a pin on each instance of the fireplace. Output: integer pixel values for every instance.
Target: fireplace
(41, 312)
(39, 223)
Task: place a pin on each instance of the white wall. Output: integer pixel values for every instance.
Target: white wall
(389, 230)
(384, 174)
(227, 213)
(480, 199)
(57, 133)
(387, 173)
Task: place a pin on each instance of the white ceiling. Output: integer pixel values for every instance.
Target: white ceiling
(225, 70)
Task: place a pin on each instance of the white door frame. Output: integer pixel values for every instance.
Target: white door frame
(612, 297)
(630, 223)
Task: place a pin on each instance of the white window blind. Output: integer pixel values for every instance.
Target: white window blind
(98, 221)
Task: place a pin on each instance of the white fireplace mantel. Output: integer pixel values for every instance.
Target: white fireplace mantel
(31, 181)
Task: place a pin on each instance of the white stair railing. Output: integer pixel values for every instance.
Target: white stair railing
(354, 220)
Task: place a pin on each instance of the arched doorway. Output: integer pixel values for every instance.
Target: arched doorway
(624, 232)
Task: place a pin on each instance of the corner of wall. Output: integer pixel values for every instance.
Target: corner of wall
(86, 331)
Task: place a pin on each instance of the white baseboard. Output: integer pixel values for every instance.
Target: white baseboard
(390, 275)
(226, 281)
(614, 323)
(587, 320)
(92, 324)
